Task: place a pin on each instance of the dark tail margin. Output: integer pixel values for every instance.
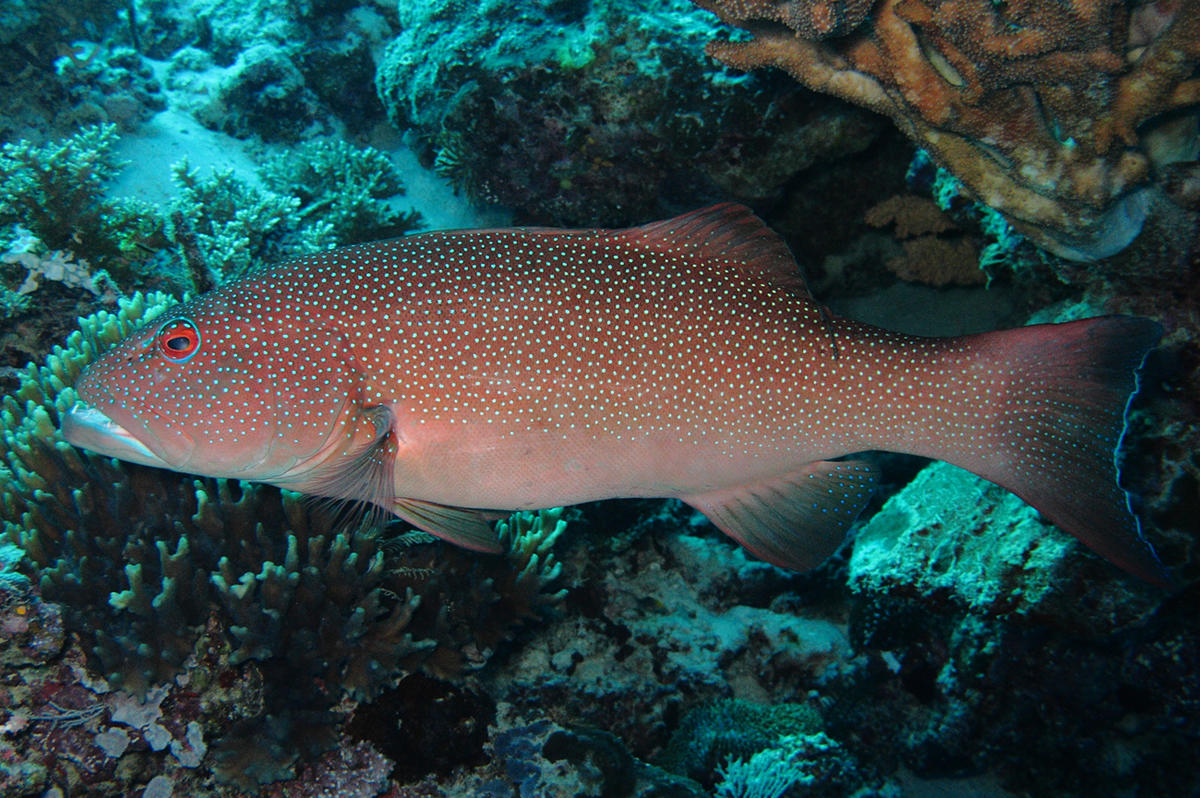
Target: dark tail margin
(1061, 424)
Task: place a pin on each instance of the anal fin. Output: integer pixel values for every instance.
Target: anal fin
(795, 520)
(462, 526)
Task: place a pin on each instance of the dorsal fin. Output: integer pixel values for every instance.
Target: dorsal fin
(728, 231)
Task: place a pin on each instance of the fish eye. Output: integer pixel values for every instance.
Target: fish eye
(179, 340)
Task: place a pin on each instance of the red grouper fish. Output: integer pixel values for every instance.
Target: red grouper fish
(449, 375)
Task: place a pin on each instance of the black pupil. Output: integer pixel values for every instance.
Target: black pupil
(178, 343)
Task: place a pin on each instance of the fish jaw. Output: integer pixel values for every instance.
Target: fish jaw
(128, 430)
(89, 428)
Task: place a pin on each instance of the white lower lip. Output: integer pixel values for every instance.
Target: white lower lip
(88, 428)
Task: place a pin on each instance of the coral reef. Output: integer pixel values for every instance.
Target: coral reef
(56, 191)
(269, 70)
(29, 253)
(665, 619)
(353, 770)
(344, 187)
(48, 47)
(55, 206)
(52, 198)
(411, 723)
(951, 692)
(321, 195)
(161, 634)
(950, 531)
(596, 114)
(711, 735)
(111, 86)
(1044, 112)
(227, 227)
(616, 772)
(263, 94)
(1002, 250)
(797, 764)
(928, 257)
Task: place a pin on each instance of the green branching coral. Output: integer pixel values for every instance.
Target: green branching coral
(322, 195)
(529, 537)
(476, 603)
(343, 186)
(56, 190)
(731, 729)
(325, 609)
(236, 226)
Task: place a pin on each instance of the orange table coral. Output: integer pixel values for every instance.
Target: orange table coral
(1041, 108)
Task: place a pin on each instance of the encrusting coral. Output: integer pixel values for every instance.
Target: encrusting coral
(928, 257)
(1041, 109)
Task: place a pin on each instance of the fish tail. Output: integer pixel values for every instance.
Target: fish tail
(1056, 430)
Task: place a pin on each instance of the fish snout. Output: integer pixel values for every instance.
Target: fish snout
(89, 428)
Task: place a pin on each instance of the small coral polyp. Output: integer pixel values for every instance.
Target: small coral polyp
(1041, 109)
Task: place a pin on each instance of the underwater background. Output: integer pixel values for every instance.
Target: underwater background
(937, 166)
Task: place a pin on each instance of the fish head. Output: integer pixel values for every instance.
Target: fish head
(211, 388)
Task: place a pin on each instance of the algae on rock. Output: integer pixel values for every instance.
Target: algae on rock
(951, 532)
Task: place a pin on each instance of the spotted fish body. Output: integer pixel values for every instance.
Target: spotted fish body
(440, 373)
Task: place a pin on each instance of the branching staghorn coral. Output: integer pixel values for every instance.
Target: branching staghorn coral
(235, 226)
(807, 764)
(342, 186)
(478, 603)
(57, 191)
(321, 195)
(1041, 109)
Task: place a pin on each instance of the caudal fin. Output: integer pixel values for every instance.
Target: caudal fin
(1059, 427)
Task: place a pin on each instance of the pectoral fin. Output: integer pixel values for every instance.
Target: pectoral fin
(797, 520)
(462, 526)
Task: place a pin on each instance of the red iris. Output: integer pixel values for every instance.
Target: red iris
(178, 340)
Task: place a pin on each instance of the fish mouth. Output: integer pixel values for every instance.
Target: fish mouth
(89, 428)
